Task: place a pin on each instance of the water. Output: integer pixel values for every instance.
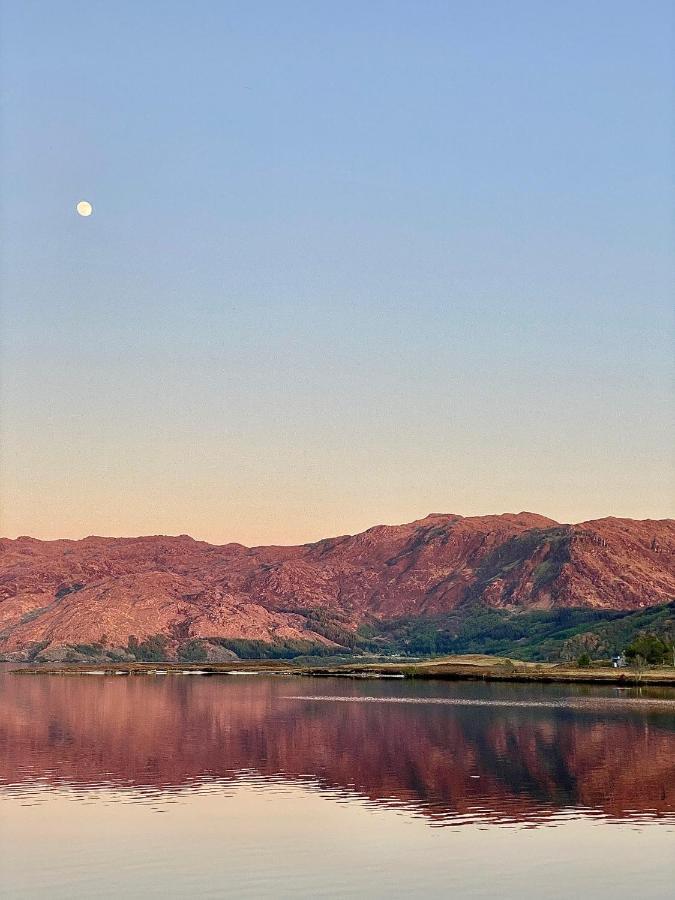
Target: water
(268, 786)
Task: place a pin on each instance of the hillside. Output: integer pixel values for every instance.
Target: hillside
(64, 596)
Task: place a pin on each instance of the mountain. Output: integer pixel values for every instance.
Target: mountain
(170, 593)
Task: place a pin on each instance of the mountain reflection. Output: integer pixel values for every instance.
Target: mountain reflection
(506, 760)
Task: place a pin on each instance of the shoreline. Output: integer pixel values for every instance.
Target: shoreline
(458, 669)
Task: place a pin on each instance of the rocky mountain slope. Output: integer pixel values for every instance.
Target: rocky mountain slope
(57, 594)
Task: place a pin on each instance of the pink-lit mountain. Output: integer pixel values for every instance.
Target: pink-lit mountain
(57, 593)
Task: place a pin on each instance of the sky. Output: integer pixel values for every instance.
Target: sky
(349, 263)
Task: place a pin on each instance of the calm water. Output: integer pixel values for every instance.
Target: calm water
(257, 786)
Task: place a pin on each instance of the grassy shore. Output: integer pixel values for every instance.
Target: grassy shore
(450, 668)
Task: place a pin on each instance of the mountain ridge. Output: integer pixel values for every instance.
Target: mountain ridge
(66, 592)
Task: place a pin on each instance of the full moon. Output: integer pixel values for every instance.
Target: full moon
(84, 208)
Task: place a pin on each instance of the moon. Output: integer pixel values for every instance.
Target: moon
(84, 208)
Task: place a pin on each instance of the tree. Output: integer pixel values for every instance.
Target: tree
(650, 648)
(153, 649)
(193, 651)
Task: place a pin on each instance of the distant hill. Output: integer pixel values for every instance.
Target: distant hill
(442, 583)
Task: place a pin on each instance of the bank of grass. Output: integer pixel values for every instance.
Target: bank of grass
(469, 667)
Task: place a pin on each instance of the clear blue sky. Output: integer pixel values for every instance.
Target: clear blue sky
(349, 263)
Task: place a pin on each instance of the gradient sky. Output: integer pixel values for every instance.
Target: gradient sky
(349, 263)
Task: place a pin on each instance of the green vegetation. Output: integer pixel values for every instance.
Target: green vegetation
(331, 626)
(247, 649)
(652, 649)
(657, 620)
(539, 636)
(193, 651)
(153, 649)
(89, 649)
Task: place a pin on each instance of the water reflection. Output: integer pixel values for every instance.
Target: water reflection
(453, 754)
